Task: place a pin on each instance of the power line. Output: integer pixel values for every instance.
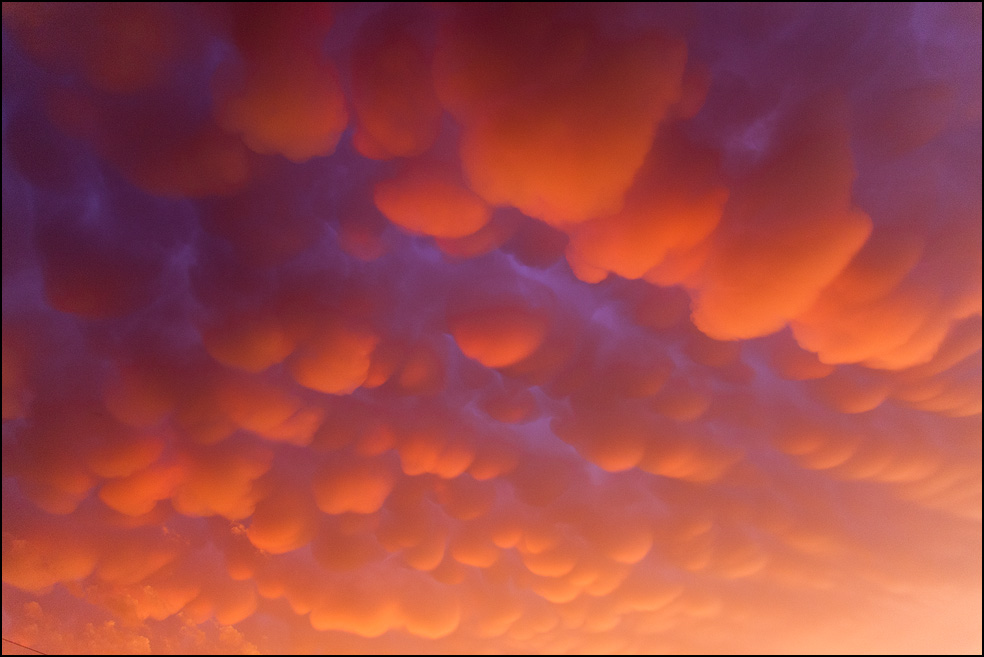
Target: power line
(23, 646)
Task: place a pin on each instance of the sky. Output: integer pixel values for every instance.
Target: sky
(512, 328)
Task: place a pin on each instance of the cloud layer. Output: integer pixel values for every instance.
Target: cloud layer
(500, 328)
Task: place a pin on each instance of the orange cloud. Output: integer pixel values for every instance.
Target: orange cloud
(461, 328)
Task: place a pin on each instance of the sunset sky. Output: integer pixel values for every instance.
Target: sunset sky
(509, 328)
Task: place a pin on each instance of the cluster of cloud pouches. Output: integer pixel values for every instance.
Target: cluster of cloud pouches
(508, 328)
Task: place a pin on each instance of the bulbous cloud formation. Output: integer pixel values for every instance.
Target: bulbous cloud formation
(382, 328)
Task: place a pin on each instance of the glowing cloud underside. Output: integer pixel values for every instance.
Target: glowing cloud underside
(491, 328)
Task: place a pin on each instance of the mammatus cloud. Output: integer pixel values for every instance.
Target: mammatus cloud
(508, 328)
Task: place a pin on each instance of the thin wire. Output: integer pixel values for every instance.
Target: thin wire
(23, 646)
